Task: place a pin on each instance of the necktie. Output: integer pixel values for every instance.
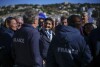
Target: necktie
(49, 35)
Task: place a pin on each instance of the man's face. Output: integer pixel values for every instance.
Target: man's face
(64, 22)
(41, 22)
(77, 20)
(85, 18)
(36, 21)
(48, 24)
(19, 22)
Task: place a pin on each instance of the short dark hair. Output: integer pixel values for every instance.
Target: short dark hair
(50, 19)
(88, 25)
(30, 16)
(71, 20)
(63, 18)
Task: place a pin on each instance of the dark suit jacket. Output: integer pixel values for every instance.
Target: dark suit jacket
(44, 43)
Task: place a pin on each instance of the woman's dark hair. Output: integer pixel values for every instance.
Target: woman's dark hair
(87, 26)
(8, 21)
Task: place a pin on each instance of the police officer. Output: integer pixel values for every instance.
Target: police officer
(26, 51)
(68, 48)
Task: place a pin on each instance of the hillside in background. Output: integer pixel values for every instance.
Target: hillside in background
(58, 8)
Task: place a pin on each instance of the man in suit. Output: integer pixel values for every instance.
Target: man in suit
(46, 37)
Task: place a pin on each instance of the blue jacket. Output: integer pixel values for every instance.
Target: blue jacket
(94, 42)
(44, 43)
(68, 49)
(6, 35)
(26, 47)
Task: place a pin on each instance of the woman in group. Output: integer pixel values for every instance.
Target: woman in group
(6, 33)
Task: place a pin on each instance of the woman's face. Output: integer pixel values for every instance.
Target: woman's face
(13, 24)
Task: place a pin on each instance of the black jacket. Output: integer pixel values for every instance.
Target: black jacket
(94, 42)
(68, 49)
(6, 35)
(44, 42)
(26, 47)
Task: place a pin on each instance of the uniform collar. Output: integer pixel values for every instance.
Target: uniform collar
(28, 25)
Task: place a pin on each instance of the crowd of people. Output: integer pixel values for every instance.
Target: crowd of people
(34, 41)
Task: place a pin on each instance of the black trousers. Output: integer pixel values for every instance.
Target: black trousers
(6, 62)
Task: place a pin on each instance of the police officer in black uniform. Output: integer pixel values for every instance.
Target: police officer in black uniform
(26, 51)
